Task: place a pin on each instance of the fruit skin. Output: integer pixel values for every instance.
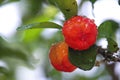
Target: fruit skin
(80, 32)
(58, 56)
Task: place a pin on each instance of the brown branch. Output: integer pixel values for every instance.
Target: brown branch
(111, 70)
(109, 56)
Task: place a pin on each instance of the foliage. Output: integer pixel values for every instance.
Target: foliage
(83, 59)
(39, 25)
(28, 38)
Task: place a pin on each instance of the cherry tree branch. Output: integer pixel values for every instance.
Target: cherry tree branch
(109, 56)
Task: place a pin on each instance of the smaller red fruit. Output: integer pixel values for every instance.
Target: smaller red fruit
(79, 32)
(59, 57)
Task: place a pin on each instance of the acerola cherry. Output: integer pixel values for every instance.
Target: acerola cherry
(79, 32)
(59, 57)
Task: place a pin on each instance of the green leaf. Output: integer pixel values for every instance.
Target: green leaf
(107, 29)
(68, 7)
(85, 60)
(2, 2)
(31, 35)
(112, 45)
(6, 73)
(119, 2)
(40, 25)
(52, 2)
(3, 77)
(13, 0)
(53, 74)
(3, 70)
(93, 1)
(6, 51)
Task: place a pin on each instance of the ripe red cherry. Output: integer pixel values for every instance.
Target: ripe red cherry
(59, 57)
(79, 32)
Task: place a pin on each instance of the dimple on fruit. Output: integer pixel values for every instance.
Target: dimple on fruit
(59, 57)
(79, 32)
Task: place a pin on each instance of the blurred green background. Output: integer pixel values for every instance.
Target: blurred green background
(24, 54)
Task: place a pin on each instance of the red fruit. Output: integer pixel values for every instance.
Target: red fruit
(79, 32)
(59, 57)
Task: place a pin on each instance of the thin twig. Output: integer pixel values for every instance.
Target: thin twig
(109, 56)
